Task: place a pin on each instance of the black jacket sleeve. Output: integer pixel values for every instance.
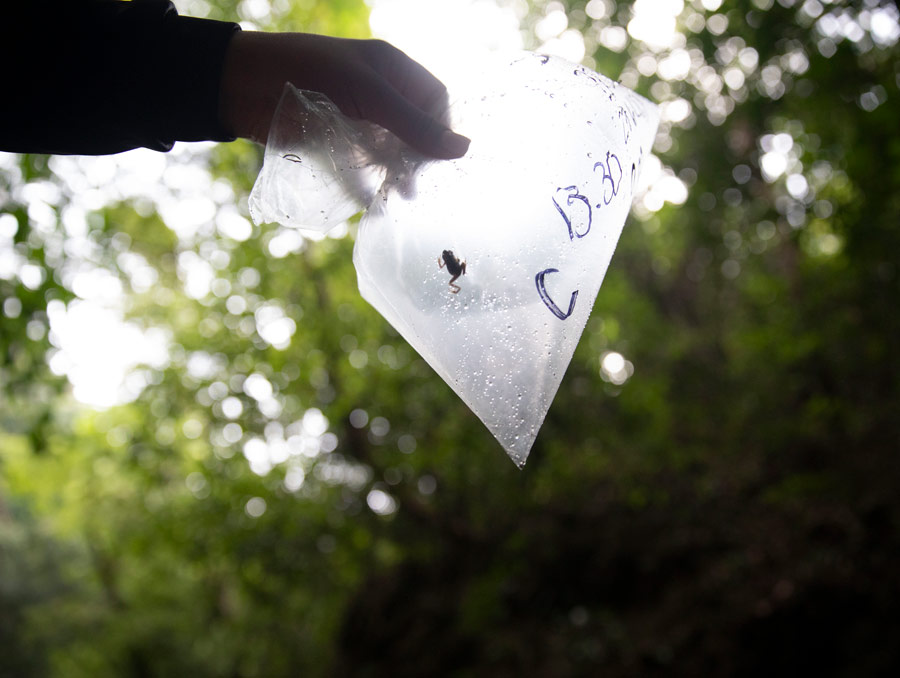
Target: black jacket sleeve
(96, 77)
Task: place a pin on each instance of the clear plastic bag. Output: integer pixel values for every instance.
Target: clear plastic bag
(524, 225)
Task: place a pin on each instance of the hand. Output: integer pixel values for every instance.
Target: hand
(366, 79)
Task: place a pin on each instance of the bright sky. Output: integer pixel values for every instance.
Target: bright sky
(446, 36)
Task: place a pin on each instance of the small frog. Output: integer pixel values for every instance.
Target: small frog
(454, 266)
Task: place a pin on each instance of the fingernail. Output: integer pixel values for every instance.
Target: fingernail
(454, 145)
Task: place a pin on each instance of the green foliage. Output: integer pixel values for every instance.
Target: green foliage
(295, 492)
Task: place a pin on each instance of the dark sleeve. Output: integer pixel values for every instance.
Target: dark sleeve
(103, 77)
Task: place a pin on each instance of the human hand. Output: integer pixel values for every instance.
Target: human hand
(366, 79)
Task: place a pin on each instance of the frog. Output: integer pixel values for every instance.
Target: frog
(454, 266)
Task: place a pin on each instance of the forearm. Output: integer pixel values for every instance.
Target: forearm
(109, 76)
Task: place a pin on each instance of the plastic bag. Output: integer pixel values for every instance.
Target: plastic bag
(524, 225)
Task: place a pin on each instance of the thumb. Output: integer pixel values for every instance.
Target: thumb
(412, 125)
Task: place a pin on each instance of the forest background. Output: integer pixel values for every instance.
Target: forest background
(283, 487)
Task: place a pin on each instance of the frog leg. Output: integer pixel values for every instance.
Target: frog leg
(454, 289)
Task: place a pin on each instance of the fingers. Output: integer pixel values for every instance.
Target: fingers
(410, 102)
(365, 78)
(387, 107)
(410, 79)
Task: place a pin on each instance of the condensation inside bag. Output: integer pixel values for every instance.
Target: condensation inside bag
(534, 210)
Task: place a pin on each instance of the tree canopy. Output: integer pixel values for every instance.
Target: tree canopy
(716, 488)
